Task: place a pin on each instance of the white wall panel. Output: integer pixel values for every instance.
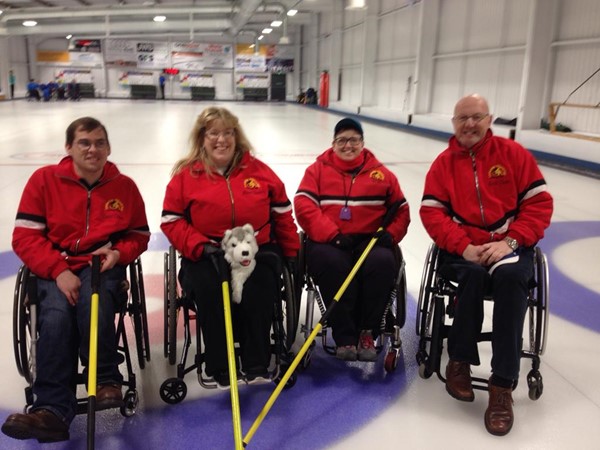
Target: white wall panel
(351, 90)
(453, 25)
(485, 27)
(572, 67)
(517, 18)
(404, 41)
(324, 61)
(579, 19)
(392, 84)
(447, 86)
(352, 45)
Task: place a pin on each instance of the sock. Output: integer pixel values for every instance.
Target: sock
(502, 382)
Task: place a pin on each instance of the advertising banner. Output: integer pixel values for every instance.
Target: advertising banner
(136, 77)
(196, 80)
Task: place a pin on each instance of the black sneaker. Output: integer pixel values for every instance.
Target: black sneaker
(222, 380)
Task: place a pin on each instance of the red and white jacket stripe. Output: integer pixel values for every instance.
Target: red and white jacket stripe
(199, 208)
(327, 187)
(481, 195)
(61, 219)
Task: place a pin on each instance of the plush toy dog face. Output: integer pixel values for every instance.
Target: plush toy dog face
(239, 245)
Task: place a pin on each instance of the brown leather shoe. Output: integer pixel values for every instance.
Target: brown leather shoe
(458, 381)
(108, 396)
(499, 416)
(40, 424)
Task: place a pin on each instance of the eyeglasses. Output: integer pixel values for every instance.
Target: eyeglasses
(342, 141)
(213, 135)
(476, 118)
(85, 144)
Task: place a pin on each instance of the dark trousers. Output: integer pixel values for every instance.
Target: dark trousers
(251, 319)
(12, 91)
(364, 301)
(508, 286)
(64, 331)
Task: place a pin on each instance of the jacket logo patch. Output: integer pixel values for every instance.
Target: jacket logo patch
(497, 171)
(251, 183)
(114, 205)
(377, 175)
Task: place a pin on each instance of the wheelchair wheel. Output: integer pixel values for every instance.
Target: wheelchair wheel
(541, 296)
(22, 326)
(173, 391)
(290, 311)
(426, 290)
(535, 384)
(170, 305)
(140, 316)
(130, 403)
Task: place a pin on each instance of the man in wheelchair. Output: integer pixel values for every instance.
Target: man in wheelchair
(105, 216)
(485, 199)
(340, 203)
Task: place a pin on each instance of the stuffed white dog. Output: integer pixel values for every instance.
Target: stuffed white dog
(240, 247)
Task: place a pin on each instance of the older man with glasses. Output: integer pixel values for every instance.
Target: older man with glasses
(341, 202)
(485, 199)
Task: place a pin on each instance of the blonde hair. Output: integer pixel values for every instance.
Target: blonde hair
(197, 151)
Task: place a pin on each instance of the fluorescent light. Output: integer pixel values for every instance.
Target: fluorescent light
(355, 4)
(29, 23)
(159, 18)
(267, 30)
(260, 38)
(276, 23)
(251, 46)
(69, 36)
(292, 12)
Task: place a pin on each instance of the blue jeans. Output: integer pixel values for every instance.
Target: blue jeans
(64, 331)
(509, 287)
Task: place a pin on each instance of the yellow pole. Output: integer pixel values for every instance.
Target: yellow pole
(235, 403)
(93, 355)
(309, 340)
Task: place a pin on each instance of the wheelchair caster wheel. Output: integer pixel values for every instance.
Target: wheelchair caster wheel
(130, 401)
(424, 371)
(306, 359)
(536, 385)
(290, 382)
(391, 361)
(173, 390)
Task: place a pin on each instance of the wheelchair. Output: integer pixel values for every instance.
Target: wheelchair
(436, 309)
(393, 319)
(25, 333)
(180, 307)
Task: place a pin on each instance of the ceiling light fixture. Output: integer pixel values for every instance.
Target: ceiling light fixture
(252, 46)
(160, 18)
(267, 30)
(260, 38)
(69, 36)
(292, 12)
(276, 23)
(356, 4)
(29, 23)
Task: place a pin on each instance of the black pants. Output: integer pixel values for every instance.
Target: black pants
(362, 305)
(508, 286)
(251, 319)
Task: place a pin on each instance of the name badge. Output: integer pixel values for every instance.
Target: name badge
(345, 213)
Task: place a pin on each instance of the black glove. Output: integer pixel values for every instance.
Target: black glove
(342, 241)
(210, 251)
(384, 239)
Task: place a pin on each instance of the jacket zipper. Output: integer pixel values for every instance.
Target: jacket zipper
(476, 177)
(232, 201)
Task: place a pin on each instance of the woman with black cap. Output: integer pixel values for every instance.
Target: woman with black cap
(341, 202)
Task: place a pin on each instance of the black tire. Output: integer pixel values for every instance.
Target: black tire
(22, 325)
(140, 319)
(173, 391)
(290, 309)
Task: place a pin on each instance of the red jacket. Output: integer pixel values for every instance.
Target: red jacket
(198, 209)
(328, 186)
(61, 220)
(505, 195)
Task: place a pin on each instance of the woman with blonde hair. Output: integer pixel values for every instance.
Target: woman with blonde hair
(220, 185)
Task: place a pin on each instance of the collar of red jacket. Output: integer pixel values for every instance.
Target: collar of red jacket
(66, 169)
(454, 145)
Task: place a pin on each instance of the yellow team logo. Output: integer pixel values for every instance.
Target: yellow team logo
(497, 171)
(251, 183)
(377, 175)
(114, 205)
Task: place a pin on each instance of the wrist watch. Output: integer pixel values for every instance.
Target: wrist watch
(512, 243)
